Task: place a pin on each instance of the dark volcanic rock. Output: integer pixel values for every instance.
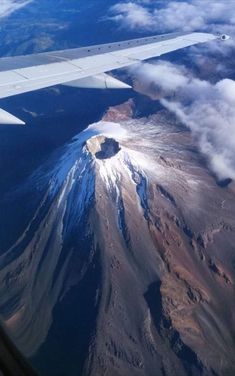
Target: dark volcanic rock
(102, 147)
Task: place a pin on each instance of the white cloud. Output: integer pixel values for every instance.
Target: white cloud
(167, 16)
(131, 15)
(9, 6)
(207, 109)
(174, 76)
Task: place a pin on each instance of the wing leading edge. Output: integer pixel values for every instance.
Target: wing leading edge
(22, 74)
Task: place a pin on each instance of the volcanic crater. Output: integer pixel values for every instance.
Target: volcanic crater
(102, 147)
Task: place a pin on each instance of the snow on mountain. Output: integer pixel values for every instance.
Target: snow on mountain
(125, 232)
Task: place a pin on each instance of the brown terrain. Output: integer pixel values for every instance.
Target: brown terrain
(137, 244)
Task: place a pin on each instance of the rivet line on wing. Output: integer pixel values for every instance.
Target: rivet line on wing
(20, 74)
(67, 61)
(123, 57)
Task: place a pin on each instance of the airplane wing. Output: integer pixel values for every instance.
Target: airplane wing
(85, 67)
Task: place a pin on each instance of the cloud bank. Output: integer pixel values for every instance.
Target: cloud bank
(9, 6)
(207, 109)
(167, 16)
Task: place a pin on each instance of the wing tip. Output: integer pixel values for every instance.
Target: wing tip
(224, 37)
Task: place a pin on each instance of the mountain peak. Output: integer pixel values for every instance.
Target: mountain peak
(102, 147)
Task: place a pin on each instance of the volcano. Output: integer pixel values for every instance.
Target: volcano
(123, 264)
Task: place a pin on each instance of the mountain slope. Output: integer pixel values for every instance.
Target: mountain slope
(126, 265)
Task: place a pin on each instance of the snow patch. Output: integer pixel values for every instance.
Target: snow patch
(107, 129)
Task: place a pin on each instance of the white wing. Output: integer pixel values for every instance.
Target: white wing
(23, 74)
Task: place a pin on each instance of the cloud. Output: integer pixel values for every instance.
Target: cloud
(207, 109)
(163, 16)
(174, 77)
(131, 15)
(167, 16)
(7, 7)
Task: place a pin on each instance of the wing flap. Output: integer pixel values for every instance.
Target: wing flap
(24, 81)
(49, 70)
(99, 81)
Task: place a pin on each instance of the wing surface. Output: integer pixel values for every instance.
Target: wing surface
(21, 74)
